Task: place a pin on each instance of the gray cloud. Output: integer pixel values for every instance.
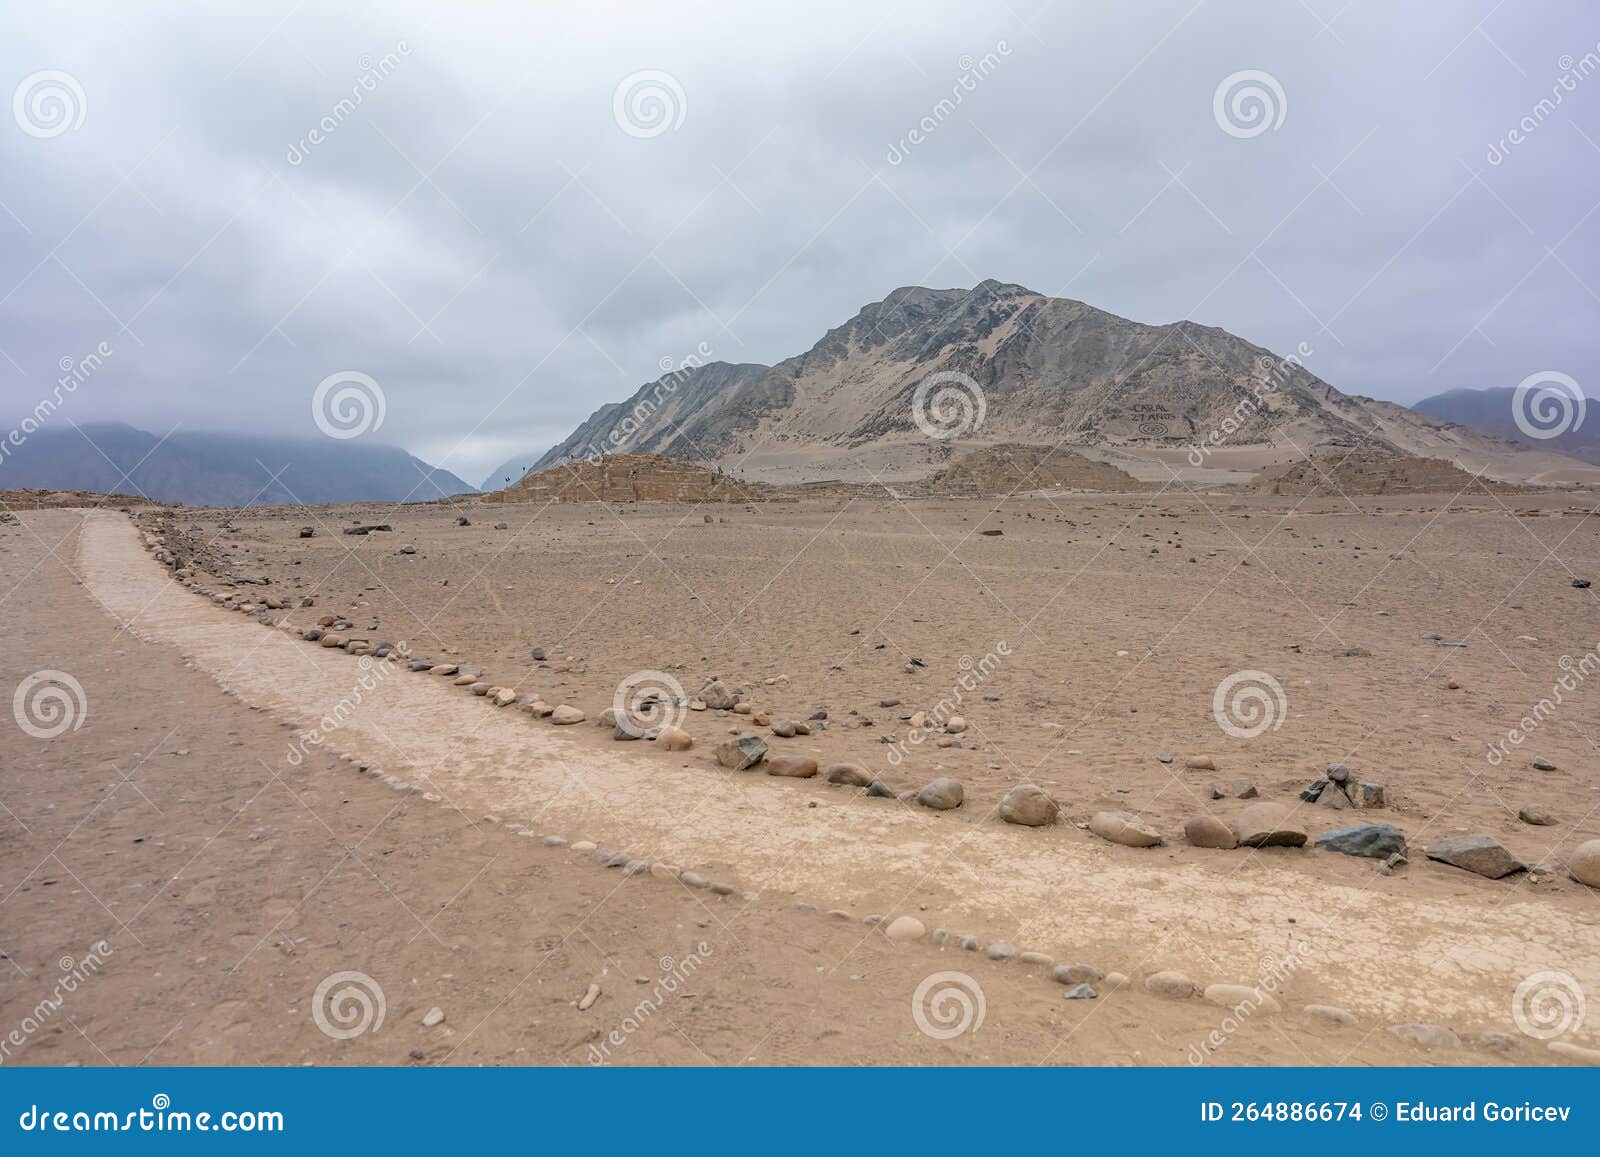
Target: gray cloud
(478, 233)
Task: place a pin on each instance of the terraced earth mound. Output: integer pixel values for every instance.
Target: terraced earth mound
(1367, 473)
(627, 478)
(1013, 468)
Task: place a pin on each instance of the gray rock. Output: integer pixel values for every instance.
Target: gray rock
(1079, 992)
(1123, 828)
(942, 794)
(1429, 1036)
(1540, 763)
(1076, 974)
(1172, 985)
(1028, 806)
(1537, 816)
(1000, 950)
(880, 790)
(1480, 854)
(848, 774)
(1269, 825)
(742, 752)
(1375, 841)
(1234, 789)
(718, 697)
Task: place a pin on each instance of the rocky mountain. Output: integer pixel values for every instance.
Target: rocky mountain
(211, 469)
(1493, 411)
(1001, 363)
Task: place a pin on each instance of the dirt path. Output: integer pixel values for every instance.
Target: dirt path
(1377, 951)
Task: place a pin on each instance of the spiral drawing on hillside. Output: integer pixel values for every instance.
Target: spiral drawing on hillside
(1248, 103)
(648, 103)
(347, 1004)
(48, 103)
(347, 404)
(648, 700)
(1548, 1004)
(1249, 703)
(948, 1004)
(49, 703)
(1548, 404)
(948, 404)
(1153, 429)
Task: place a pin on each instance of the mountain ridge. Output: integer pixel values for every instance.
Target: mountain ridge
(1033, 369)
(206, 468)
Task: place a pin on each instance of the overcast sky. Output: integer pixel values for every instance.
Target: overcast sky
(502, 241)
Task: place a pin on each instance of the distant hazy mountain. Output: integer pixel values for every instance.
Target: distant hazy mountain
(210, 469)
(508, 472)
(1492, 411)
(1036, 369)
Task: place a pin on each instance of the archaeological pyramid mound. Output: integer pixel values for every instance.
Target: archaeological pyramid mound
(627, 478)
(1369, 472)
(1014, 468)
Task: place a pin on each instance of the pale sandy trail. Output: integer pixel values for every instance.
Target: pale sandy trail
(1386, 955)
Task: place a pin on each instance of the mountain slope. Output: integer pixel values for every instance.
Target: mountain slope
(209, 469)
(1036, 369)
(1493, 411)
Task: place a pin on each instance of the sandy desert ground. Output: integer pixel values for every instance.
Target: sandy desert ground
(232, 861)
